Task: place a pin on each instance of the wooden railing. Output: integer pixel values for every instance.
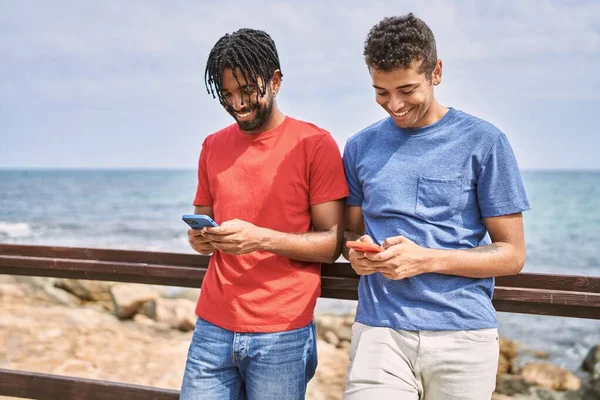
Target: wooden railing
(559, 295)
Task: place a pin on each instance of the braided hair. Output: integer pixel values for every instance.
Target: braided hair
(251, 51)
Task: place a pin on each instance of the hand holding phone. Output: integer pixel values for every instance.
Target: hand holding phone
(365, 247)
(198, 221)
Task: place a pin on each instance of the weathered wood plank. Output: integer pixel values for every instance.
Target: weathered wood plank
(543, 296)
(547, 309)
(33, 385)
(525, 280)
(134, 256)
(575, 296)
(551, 281)
(170, 275)
(173, 275)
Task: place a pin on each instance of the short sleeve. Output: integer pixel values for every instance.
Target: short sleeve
(203, 195)
(327, 181)
(500, 187)
(356, 194)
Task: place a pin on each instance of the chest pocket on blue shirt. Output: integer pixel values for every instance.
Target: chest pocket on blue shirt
(437, 199)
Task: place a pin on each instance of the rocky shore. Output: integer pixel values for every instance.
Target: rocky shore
(140, 334)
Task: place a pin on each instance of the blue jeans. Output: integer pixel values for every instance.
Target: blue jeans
(222, 364)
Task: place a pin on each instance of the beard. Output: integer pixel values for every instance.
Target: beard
(263, 112)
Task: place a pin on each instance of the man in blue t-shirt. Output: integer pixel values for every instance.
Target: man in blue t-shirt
(441, 192)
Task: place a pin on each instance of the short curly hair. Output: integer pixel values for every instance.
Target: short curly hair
(395, 42)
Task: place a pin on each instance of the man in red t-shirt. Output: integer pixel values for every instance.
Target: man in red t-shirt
(276, 186)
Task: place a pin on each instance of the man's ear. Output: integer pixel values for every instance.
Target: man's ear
(436, 75)
(276, 81)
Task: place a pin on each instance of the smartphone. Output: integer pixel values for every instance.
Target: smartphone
(198, 221)
(364, 246)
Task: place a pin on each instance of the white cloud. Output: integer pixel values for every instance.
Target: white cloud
(320, 42)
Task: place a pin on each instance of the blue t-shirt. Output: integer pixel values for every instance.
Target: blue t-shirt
(432, 185)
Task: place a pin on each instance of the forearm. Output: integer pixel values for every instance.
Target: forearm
(322, 247)
(496, 259)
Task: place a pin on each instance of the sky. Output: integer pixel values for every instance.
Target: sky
(120, 84)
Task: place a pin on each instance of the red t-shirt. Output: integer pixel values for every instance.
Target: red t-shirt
(271, 180)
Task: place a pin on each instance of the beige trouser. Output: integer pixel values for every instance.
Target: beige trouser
(426, 365)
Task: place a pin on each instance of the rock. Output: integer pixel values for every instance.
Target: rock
(591, 363)
(550, 377)
(150, 309)
(177, 313)
(49, 335)
(344, 332)
(504, 366)
(12, 290)
(590, 389)
(73, 367)
(514, 387)
(331, 338)
(42, 289)
(185, 315)
(496, 396)
(58, 296)
(511, 385)
(142, 319)
(325, 323)
(43, 337)
(106, 306)
(341, 326)
(127, 298)
(508, 352)
(348, 320)
(174, 292)
(330, 378)
(508, 348)
(540, 354)
(85, 289)
(538, 393)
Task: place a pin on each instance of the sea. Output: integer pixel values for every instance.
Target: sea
(141, 210)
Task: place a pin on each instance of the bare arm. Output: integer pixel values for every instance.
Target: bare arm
(324, 244)
(505, 256)
(355, 227)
